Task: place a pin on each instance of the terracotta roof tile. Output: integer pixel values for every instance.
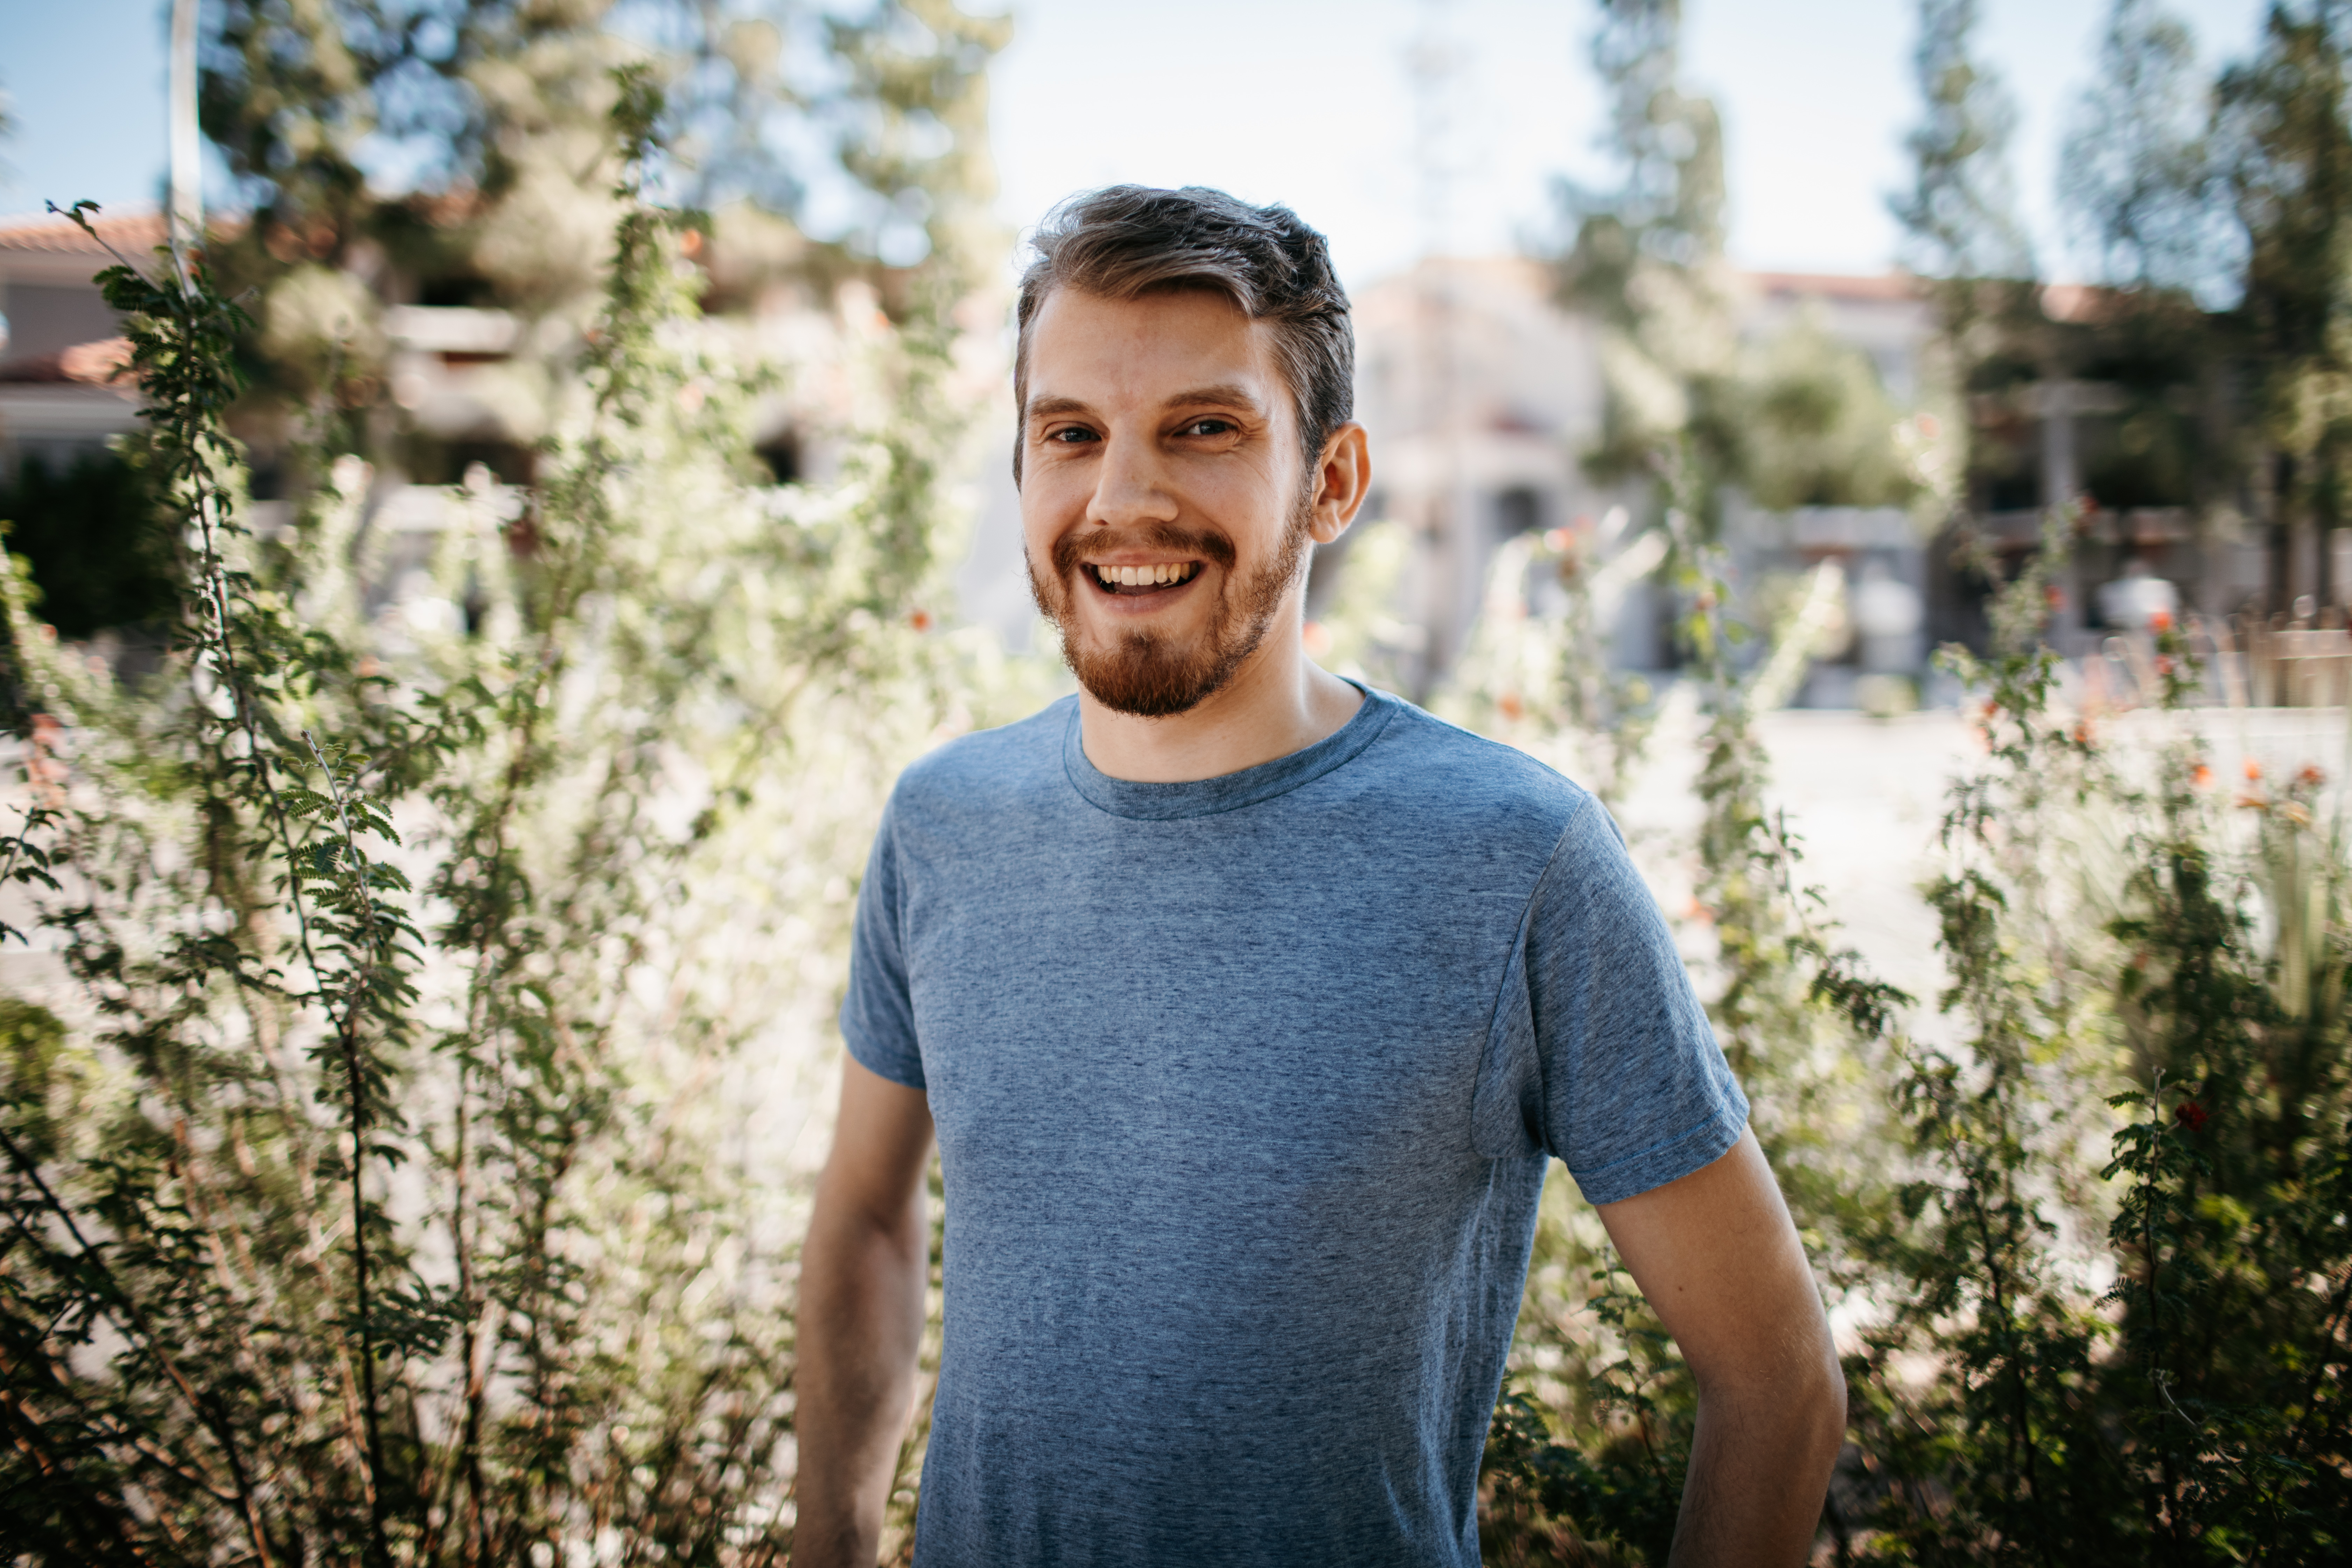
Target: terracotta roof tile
(1838, 286)
(133, 233)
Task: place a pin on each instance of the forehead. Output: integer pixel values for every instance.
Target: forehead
(1108, 351)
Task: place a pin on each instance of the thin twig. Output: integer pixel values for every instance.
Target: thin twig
(363, 975)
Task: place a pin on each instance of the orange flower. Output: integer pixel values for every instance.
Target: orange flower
(2160, 621)
(2311, 777)
(2202, 778)
(920, 620)
(1513, 708)
(2253, 768)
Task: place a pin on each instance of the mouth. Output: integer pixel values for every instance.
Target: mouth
(1160, 577)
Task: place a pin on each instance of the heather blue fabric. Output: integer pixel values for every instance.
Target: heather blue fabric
(1245, 1090)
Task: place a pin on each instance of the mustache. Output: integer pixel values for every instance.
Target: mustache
(1168, 536)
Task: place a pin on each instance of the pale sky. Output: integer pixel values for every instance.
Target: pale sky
(1310, 102)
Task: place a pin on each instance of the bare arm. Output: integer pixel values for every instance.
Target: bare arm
(862, 1270)
(1719, 1261)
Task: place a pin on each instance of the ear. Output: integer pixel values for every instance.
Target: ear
(1343, 477)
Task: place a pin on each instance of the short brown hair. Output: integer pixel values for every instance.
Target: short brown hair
(1126, 241)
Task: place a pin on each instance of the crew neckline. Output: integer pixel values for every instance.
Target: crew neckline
(1226, 792)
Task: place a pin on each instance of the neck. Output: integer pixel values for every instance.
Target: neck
(1278, 702)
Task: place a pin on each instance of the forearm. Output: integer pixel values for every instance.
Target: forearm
(1760, 1462)
(860, 1330)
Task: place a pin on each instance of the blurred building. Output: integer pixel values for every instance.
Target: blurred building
(61, 397)
(465, 389)
(1482, 396)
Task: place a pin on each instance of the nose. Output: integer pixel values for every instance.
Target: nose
(1131, 487)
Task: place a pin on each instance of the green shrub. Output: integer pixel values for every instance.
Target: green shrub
(399, 1183)
(2059, 1355)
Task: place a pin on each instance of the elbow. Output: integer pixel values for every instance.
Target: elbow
(1797, 1398)
(1817, 1387)
(1833, 1395)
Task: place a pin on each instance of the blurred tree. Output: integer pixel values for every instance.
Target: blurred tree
(1963, 237)
(1808, 424)
(2290, 179)
(291, 93)
(2137, 178)
(2142, 186)
(453, 153)
(1959, 212)
(770, 101)
(1794, 420)
(1647, 256)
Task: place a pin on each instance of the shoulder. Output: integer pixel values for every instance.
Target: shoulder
(1442, 775)
(985, 772)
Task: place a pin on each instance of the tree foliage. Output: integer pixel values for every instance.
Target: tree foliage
(1959, 211)
(2139, 162)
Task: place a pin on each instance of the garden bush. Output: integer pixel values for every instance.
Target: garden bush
(2085, 1224)
(400, 1164)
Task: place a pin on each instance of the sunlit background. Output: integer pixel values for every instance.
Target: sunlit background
(1349, 110)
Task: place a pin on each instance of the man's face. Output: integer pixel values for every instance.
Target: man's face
(1164, 505)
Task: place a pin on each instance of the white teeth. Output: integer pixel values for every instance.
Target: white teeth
(1144, 576)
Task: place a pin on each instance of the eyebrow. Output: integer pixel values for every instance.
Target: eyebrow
(1231, 393)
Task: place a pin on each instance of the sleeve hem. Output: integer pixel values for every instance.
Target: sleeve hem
(883, 1063)
(1662, 1163)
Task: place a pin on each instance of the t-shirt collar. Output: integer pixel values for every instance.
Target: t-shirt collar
(1228, 792)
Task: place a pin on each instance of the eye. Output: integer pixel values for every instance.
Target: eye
(1070, 434)
(1211, 426)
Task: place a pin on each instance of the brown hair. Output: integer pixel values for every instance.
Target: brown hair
(1126, 241)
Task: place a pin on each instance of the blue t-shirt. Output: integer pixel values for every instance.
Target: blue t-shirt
(1246, 1090)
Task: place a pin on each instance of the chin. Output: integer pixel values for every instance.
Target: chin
(1150, 676)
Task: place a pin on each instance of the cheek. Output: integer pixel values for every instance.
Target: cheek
(1048, 510)
(1254, 509)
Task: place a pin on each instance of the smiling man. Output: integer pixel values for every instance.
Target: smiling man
(1248, 1007)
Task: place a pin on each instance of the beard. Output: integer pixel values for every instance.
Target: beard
(1148, 673)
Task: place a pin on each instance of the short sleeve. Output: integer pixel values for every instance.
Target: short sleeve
(878, 1017)
(1600, 1053)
